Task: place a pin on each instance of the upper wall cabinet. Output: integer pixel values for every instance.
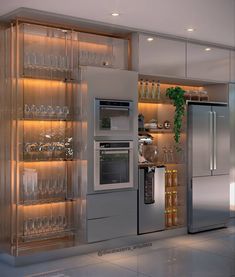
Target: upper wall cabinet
(207, 63)
(102, 51)
(232, 69)
(160, 56)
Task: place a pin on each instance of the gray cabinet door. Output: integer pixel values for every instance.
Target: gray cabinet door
(221, 141)
(200, 137)
(162, 57)
(207, 65)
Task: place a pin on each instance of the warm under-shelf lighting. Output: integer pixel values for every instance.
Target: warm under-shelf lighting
(208, 49)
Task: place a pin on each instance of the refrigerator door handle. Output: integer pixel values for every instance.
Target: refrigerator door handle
(211, 139)
(214, 141)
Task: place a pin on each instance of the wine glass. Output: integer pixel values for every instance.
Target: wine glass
(30, 225)
(27, 110)
(65, 111)
(165, 154)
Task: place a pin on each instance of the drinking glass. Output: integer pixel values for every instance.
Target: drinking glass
(26, 227)
(58, 111)
(165, 154)
(170, 154)
(30, 227)
(32, 59)
(65, 111)
(45, 224)
(27, 110)
(27, 59)
(38, 225)
(42, 110)
(60, 222)
(50, 111)
(52, 223)
(33, 110)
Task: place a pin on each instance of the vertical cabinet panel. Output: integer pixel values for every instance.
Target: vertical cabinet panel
(161, 56)
(232, 66)
(207, 64)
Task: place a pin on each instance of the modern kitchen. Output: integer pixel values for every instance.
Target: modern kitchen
(113, 138)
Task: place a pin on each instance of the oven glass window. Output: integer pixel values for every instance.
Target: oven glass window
(114, 119)
(114, 166)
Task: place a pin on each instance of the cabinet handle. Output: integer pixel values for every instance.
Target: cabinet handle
(215, 141)
(211, 139)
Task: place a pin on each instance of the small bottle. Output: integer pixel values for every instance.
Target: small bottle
(168, 218)
(174, 198)
(146, 89)
(154, 92)
(168, 178)
(168, 199)
(140, 89)
(174, 215)
(174, 178)
(158, 91)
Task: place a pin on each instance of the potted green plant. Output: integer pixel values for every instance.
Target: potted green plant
(176, 94)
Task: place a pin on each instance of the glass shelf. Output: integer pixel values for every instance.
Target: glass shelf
(47, 236)
(156, 131)
(45, 119)
(45, 201)
(48, 159)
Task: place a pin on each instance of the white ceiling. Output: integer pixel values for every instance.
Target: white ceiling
(214, 20)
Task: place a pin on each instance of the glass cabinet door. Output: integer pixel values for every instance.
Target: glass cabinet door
(48, 127)
(45, 52)
(102, 51)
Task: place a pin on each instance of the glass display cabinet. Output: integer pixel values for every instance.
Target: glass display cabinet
(45, 126)
(44, 133)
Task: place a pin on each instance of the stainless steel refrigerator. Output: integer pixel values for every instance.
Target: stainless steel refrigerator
(208, 166)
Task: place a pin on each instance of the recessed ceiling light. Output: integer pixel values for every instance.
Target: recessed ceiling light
(208, 49)
(190, 29)
(115, 14)
(150, 39)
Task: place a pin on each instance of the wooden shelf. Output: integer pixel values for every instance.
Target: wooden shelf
(46, 119)
(155, 101)
(156, 131)
(142, 165)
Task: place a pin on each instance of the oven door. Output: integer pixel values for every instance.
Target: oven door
(113, 165)
(113, 117)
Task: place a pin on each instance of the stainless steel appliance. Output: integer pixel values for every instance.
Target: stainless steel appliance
(208, 161)
(114, 165)
(113, 117)
(151, 208)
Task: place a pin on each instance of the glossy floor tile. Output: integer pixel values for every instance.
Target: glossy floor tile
(207, 254)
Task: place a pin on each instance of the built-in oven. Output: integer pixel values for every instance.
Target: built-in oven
(113, 117)
(113, 167)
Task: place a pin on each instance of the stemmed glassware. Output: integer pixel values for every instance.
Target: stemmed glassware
(42, 64)
(35, 111)
(45, 224)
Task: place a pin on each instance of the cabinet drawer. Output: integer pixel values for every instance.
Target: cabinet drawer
(111, 227)
(111, 204)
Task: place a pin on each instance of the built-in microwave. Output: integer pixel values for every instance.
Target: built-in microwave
(113, 117)
(113, 167)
